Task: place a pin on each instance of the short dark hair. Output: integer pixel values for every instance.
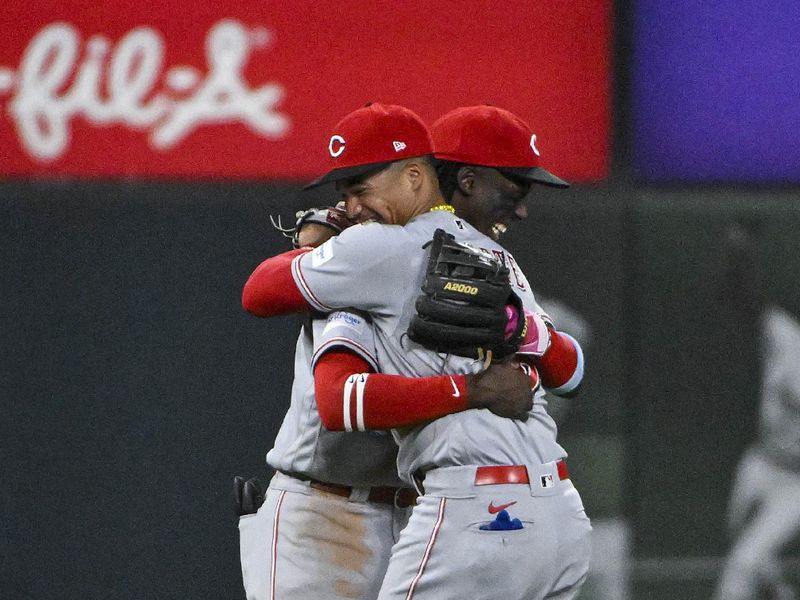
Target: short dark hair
(447, 172)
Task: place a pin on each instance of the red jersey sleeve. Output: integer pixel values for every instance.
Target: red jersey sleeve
(271, 289)
(561, 366)
(352, 398)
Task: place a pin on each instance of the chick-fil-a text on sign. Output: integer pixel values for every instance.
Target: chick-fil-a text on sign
(44, 105)
(256, 95)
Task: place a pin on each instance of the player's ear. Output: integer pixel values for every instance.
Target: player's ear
(415, 173)
(465, 178)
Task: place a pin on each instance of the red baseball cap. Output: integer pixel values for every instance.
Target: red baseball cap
(373, 137)
(491, 137)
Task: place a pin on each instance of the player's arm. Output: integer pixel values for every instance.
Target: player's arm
(271, 289)
(334, 275)
(561, 366)
(556, 355)
(352, 397)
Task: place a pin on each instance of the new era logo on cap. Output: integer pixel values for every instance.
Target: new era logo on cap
(533, 145)
(491, 137)
(373, 137)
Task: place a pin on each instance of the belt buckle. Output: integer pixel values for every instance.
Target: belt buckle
(398, 493)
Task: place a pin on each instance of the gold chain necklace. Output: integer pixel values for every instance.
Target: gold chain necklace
(448, 207)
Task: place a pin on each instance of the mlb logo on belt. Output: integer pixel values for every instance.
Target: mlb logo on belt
(547, 481)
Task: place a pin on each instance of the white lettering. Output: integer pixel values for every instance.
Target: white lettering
(119, 86)
(45, 66)
(224, 97)
(133, 73)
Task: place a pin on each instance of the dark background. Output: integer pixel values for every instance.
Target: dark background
(135, 386)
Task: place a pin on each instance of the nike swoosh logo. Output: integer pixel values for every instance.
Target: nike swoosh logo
(456, 393)
(496, 509)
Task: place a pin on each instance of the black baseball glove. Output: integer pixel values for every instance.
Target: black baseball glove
(248, 496)
(464, 300)
(330, 216)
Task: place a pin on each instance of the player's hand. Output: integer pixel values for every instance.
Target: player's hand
(536, 337)
(311, 225)
(314, 234)
(503, 388)
(321, 224)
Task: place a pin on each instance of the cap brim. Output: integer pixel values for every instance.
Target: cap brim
(347, 173)
(535, 175)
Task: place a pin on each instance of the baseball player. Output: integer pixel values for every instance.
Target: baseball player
(487, 161)
(499, 517)
(764, 511)
(479, 157)
(326, 483)
(335, 506)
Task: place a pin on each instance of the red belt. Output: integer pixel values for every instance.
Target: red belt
(512, 474)
(399, 497)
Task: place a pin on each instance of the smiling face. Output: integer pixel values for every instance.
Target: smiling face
(391, 196)
(489, 200)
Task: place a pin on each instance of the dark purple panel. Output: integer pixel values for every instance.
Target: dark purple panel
(716, 91)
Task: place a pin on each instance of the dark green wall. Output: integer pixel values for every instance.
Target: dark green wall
(695, 365)
(134, 386)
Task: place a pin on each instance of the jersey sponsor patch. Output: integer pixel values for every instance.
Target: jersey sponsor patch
(341, 318)
(322, 254)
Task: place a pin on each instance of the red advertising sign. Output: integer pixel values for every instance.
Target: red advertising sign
(251, 89)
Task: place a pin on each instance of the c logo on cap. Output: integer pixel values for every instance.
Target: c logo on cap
(339, 145)
(533, 145)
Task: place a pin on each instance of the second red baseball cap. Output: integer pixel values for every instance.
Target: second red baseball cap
(491, 137)
(372, 138)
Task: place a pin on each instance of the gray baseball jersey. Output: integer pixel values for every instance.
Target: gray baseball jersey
(307, 543)
(380, 268)
(461, 540)
(303, 446)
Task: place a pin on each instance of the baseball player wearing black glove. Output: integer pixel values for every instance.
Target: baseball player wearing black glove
(523, 455)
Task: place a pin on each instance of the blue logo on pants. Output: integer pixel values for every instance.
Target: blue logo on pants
(502, 522)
